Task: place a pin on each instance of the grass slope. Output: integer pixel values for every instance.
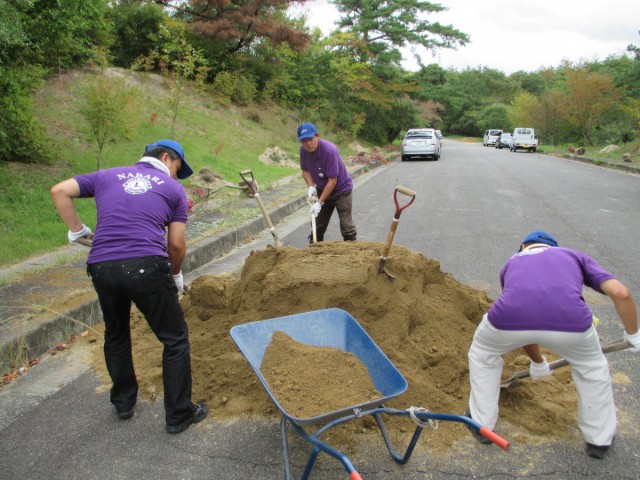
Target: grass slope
(226, 138)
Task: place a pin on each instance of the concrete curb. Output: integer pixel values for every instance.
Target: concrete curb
(43, 336)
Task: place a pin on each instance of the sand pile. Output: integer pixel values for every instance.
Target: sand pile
(423, 321)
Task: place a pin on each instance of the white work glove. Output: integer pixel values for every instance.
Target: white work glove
(634, 340)
(179, 279)
(75, 236)
(539, 370)
(312, 192)
(315, 208)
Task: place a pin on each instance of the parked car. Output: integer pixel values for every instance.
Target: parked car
(420, 143)
(490, 137)
(524, 139)
(504, 140)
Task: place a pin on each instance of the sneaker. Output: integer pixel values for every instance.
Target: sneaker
(198, 415)
(597, 451)
(474, 432)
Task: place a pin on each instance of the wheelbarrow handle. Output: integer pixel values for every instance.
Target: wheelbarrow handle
(404, 191)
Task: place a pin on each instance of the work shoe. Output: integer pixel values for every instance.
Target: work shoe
(597, 451)
(199, 414)
(474, 432)
(125, 415)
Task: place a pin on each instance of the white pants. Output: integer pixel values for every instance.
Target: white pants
(589, 368)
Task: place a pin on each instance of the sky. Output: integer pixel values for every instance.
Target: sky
(513, 35)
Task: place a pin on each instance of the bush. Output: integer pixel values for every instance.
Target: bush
(22, 139)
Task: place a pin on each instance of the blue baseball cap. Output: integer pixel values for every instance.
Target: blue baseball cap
(541, 237)
(185, 171)
(306, 130)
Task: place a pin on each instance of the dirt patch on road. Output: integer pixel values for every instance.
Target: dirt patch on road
(423, 321)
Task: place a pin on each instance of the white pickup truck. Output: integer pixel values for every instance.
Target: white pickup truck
(524, 139)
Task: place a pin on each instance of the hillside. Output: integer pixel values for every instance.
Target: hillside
(223, 137)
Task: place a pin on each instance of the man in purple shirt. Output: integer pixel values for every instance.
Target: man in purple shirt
(328, 181)
(136, 257)
(542, 303)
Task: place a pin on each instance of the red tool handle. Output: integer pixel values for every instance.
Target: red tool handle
(404, 191)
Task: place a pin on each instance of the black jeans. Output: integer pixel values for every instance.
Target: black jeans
(342, 202)
(148, 283)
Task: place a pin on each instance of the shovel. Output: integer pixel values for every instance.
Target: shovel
(394, 226)
(311, 201)
(254, 189)
(611, 347)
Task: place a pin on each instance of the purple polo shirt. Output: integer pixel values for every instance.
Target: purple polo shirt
(542, 290)
(135, 205)
(324, 164)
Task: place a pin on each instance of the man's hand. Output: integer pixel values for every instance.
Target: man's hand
(312, 192)
(539, 370)
(179, 279)
(634, 340)
(315, 208)
(75, 236)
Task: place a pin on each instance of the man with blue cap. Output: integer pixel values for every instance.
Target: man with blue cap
(542, 303)
(136, 257)
(328, 182)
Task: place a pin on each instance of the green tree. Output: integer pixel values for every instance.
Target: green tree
(62, 33)
(178, 61)
(21, 137)
(388, 25)
(106, 109)
(549, 117)
(135, 28)
(494, 116)
(522, 110)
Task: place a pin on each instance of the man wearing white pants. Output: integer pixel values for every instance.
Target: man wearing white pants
(542, 303)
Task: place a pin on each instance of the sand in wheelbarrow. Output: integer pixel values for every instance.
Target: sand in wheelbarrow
(423, 321)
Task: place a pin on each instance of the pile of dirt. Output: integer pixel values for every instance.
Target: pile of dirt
(304, 396)
(423, 321)
(277, 156)
(208, 178)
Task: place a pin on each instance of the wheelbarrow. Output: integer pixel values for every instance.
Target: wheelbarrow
(336, 328)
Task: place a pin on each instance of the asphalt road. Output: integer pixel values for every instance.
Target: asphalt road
(472, 209)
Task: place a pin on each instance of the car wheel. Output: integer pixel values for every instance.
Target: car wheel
(403, 158)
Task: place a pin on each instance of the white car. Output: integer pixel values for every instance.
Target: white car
(524, 138)
(490, 137)
(420, 143)
(504, 140)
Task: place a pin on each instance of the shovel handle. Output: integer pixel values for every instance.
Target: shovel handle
(250, 183)
(561, 362)
(310, 202)
(86, 241)
(404, 191)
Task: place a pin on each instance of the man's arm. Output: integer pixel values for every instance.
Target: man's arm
(326, 192)
(307, 178)
(62, 195)
(624, 303)
(177, 246)
(533, 352)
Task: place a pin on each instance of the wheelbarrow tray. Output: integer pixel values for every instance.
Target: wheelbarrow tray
(334, 328)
